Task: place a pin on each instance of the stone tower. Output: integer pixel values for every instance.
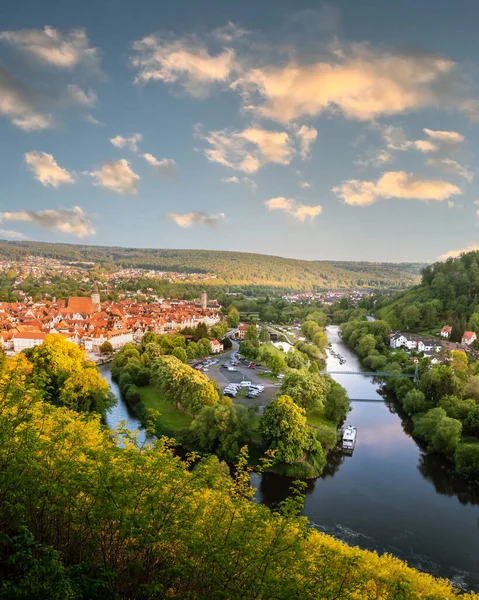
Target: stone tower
(204, 300)
(95, 298)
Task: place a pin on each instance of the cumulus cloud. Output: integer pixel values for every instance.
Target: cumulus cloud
(116, 176)
(396, 139)
(307, 136)
(192, 219)
(166, 165)
(130, 142)
(293, 208)
(237, 180)
(66, 220)
(186, 62)
(8, 234)
(361, 82)
(445, 137)
(449, 165)
(304, 184)
(50, 47)
(46, 170)
(395, 184)
(456, 253)
(17, 104)
(250, 149)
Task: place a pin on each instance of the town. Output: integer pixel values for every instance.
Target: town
(89, 322)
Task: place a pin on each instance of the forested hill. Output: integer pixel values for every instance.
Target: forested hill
(232, 268)
(447, 295)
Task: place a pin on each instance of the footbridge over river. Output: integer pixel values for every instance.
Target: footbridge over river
(414, 376)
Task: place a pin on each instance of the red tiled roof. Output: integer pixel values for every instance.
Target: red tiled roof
(467, 335)
(79, 305)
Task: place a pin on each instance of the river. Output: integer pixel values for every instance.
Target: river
(389, 496)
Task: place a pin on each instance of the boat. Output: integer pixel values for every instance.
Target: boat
(349, 438)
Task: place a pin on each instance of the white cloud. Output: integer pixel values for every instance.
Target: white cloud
(445, 137)
(449, 165)
(91, 119)
(244, 180)
(304, 184)
(396, 139)
(164, 164)
(395, 184)
(18, 105)
(250, 149)
(307, 136)
(66, 220)
(293, 208)
(451, 204)
(231, 32)
(192, 219)
(8, 234)
(456, 253)
(46, 170)
(117, 177)
(186, 62)
(130, 142)
(51, 47)
(78, 97)
(362, 82)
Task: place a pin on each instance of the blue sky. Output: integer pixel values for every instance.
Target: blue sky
(322, 131)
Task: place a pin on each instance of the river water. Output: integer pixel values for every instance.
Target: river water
(389, 496)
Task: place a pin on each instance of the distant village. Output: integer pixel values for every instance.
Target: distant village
(37, 267)
(88, 322)
(328, 297)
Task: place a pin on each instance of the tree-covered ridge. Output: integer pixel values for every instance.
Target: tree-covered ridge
(84, 518)
(447, 295)
(232, 268)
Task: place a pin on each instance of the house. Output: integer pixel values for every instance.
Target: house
(216, 346)
(446, 331)
(397, 341)
(24, 340)
(468, 337)
(429, 346)
(241, 331)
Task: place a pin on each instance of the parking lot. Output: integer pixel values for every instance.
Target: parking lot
(242, 373)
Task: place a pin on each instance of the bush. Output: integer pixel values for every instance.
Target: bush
(327, 436)
(467, 459)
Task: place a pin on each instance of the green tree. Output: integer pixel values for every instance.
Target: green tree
(223, 429)
(472, 421)
(320, 339)
(251, 335)
(366, 345)
(457, 408)
(87, 391)
(233, 317)
(295, 359)
(106, 348)
(283, 428)
(447, 436)
(307, 389)
(425, 426)
(467, 459)
(415, 402)
(247, 350)
(337, 404)
(192, 351)
(180, 354)
(200, 332)
(264, 335)
(274, 362)
(204, 347)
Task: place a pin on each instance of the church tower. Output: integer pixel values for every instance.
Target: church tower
(95, 298)
(203, 300)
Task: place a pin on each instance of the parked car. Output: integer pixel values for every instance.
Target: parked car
(224, 366)
(252, 395)
(230, 393)
(251, 366)
(245, 383)
(206, 369)
(232, 369)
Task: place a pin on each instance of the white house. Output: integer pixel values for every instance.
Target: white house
(446, 331)
(397, 341)
(215, 346)
(468, 337)
(30, 339)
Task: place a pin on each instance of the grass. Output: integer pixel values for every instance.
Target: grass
(170, 417)
(269, 376)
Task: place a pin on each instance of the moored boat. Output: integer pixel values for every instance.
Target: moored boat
(349, 438)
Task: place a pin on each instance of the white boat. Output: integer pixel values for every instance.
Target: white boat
(349, 438)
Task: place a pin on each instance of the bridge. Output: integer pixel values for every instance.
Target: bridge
(366, 399)
(370, 373)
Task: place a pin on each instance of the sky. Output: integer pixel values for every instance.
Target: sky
(324, 131)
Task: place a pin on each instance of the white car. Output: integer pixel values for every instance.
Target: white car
(232, 369)
(245, 383)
